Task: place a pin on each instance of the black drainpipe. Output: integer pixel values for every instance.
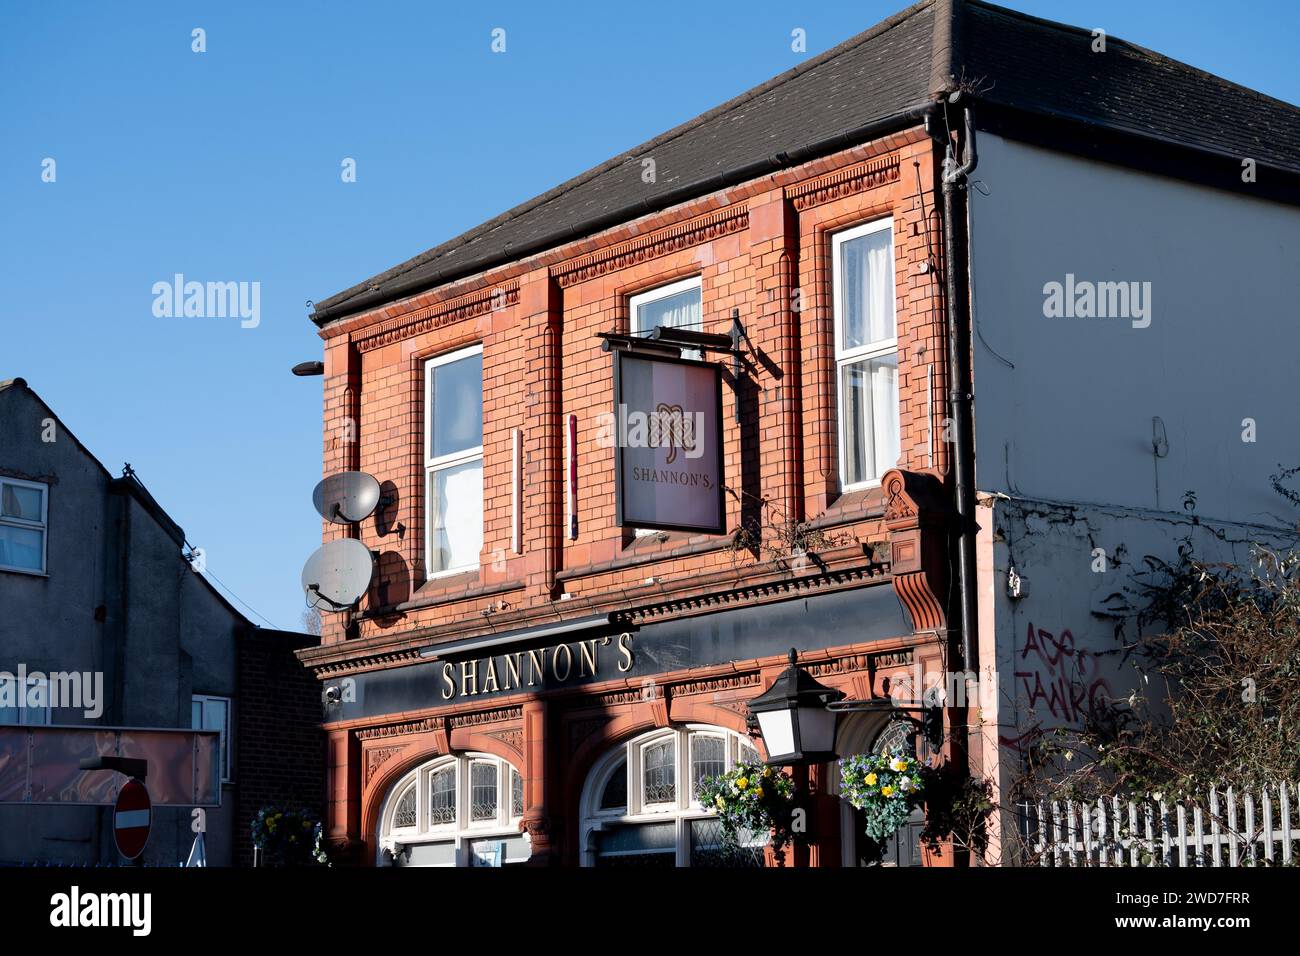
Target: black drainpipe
(957, 275)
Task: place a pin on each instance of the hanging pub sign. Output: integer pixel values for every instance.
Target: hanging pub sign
(666, 431)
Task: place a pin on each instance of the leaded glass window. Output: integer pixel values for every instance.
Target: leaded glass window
(483, 791)
(659, 772)
(708, 759)
(516, 794)
(640, 805)
(898, 734)
(442, 797)
(404, 815)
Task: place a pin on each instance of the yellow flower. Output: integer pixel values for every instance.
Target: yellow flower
(722, 804)
(870, 779)
(886, 791)
(742, 782)
(767, 771)
(898, 765)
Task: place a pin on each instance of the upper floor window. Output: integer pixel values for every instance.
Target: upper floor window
(866, 351)
(213, 713)
(453, 459)
(23, 515)
(676, 305)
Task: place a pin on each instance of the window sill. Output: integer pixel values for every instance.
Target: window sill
(650, 550)
(28, 572)
(446, 590)
(864, 501)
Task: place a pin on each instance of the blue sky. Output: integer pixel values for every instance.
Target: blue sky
(225, 166)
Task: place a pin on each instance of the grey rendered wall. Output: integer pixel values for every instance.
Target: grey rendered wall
(48, 622)
(1064, 408)
(1072, 419)
(177, 637)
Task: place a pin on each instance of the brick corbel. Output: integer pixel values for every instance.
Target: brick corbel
(918, 515)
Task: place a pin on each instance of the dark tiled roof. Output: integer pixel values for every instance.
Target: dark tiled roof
(1011, 59)
(1050, 69)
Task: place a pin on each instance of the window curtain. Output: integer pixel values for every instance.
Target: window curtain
(868, 274)
(680, 310)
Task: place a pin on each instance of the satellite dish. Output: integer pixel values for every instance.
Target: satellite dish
(346, 497)
(335, 577)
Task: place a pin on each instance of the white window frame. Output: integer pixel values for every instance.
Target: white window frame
(443, 462)
(224, 739)
(873, 350)
(23, 719)
(682, 811)
(43, 526)
(414, 828)
(462, 832)
(635, 302)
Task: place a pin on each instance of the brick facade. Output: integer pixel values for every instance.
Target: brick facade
(761, 248)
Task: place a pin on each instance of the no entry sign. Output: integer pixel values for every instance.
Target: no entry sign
(131, 817)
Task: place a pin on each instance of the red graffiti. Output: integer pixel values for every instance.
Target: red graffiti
(1058, 676)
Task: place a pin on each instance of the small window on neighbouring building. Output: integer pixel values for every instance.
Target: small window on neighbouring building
(866, 352)
(23, 516)
(27, 705)
(454, 461)
(213, 713)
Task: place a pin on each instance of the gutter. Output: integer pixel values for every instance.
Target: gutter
(400, 289)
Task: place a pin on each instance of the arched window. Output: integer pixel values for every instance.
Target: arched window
(640, 803)
(454, 811)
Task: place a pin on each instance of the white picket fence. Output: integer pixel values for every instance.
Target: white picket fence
(1227, 828)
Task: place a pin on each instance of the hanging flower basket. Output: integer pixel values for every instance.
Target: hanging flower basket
(753, 799)
(886, 787)
(289, 837)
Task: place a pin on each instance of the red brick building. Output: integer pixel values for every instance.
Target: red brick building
(532, 676)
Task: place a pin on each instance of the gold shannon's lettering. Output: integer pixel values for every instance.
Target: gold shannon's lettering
(512, 669)
(544, 665)
(555, 662)
(587, 658)
(536, 665)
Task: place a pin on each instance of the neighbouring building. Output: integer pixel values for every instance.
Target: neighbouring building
(94, 582)
(1001, 292)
